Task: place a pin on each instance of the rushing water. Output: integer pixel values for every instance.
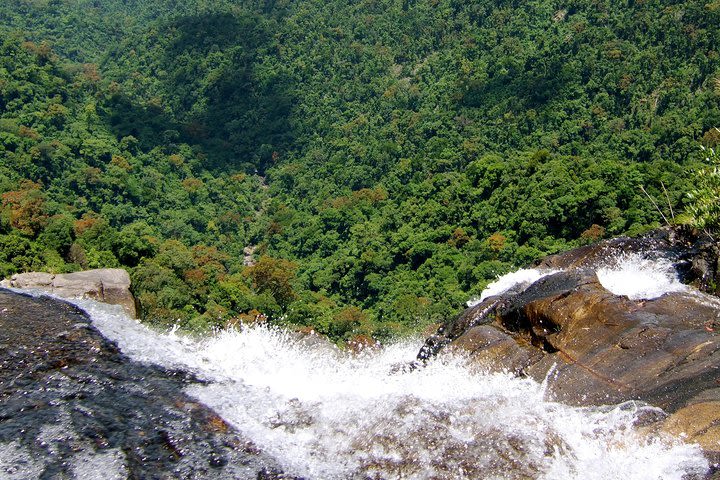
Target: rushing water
(326, 414)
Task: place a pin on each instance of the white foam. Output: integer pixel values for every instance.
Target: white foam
(518, 280)
(640, 278)
(138, 341)
(325, 415)
(330, 419)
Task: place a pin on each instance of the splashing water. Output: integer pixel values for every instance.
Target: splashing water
(633, 275)
(518, 280)
(640, 278)
(324, 414)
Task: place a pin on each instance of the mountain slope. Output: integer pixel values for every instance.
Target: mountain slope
(413, 150)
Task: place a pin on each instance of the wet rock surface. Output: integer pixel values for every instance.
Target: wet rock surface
(73, 406)
(594, 348)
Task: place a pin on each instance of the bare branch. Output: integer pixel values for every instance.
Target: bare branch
(654, 203)
(667, 197)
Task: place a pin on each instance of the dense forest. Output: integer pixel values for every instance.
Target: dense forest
(361, 168)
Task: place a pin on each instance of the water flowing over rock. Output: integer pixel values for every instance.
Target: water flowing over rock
(73, 406)
(109, 285)
(614, 323)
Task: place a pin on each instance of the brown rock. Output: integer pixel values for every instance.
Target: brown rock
(486, 344)
(604, 348)
(594, 347)
(698, 423)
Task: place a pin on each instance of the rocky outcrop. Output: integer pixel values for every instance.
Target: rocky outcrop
(109, 285)
(593, 347)
(73, 406)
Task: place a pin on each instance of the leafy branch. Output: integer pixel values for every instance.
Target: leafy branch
(704, 199)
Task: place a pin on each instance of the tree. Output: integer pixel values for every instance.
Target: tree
(26, 207)
(273, 276)
(134, 242)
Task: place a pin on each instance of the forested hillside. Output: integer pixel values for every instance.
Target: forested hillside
(387, 158)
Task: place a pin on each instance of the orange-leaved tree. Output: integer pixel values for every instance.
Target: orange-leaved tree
(25, 207)
(273, 276)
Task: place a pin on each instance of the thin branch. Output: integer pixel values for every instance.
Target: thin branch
(667, 197)
(656, 205)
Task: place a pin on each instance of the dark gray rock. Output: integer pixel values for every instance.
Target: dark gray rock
(71, 402)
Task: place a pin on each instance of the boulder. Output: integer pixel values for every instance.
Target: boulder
(109, 285)
(592, 347)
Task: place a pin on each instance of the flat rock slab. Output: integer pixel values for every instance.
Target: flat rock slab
(71, 404)
(109, 285)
